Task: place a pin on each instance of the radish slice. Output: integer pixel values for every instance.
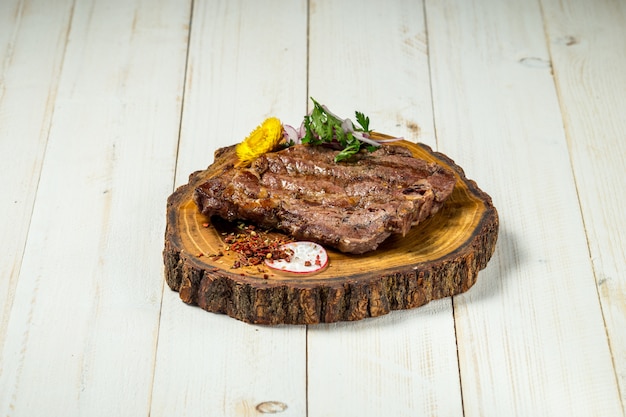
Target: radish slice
(307, 257)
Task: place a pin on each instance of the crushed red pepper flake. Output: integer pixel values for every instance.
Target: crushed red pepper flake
(253, 246)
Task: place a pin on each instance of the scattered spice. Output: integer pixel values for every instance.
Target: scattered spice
(253, 246)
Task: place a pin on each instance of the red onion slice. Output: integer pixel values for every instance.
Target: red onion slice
(365, 139)
(291, 133)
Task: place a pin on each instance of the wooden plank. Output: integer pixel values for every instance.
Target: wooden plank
(530, 333)
(404, 363)
(589, 61)
(380, 69)
(247, 61)
(28, 86)
(83, 328)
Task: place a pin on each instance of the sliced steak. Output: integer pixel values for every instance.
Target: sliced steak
(351, 206)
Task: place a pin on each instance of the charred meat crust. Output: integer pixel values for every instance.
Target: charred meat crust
(351, 206)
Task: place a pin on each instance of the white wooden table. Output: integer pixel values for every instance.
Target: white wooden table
(107, 105)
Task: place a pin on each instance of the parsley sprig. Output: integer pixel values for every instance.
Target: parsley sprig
(322, 127)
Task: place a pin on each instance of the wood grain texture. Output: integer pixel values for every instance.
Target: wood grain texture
(439, 258)
(535, 318)
(28, 87)
(247, 61)
(81, 338)
(527, 96)
(589, 61)
(402, 364)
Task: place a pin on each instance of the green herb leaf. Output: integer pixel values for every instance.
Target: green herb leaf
(352, 147)
(363, 120)
(322, 127)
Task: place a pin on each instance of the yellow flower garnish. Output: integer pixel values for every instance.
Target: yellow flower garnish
(263, 139)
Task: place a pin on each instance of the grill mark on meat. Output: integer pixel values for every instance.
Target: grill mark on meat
(319, 162)
(352, 206)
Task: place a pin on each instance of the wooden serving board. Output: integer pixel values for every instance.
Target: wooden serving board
(438, 258)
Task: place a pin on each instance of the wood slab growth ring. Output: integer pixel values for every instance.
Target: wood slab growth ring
(438, 258)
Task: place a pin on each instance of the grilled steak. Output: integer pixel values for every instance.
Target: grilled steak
(351, 206)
